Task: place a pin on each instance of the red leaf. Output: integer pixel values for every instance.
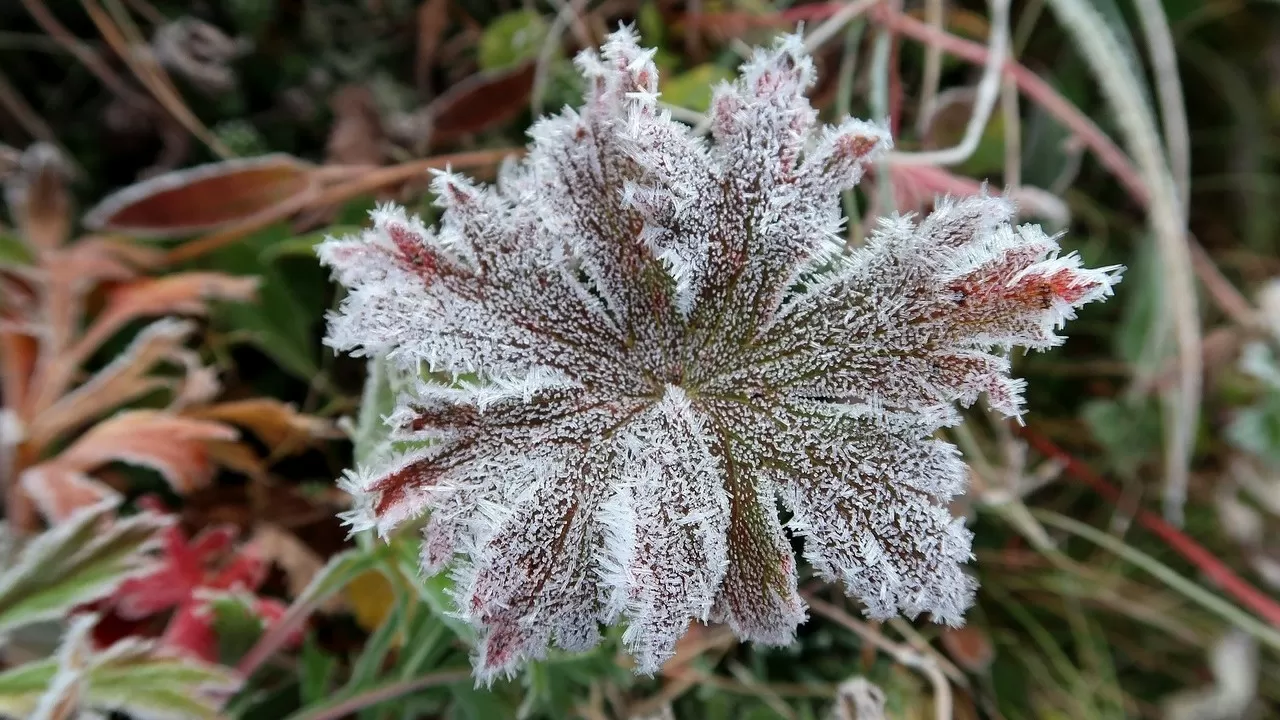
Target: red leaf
(201, 198)
(969, 646)
(480, 102)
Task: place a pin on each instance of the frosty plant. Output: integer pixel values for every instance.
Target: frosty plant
(671, 339)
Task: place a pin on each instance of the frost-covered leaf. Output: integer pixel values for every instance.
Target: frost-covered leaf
(858, 699)
(130, 676)
(667, 339)
(84, 558)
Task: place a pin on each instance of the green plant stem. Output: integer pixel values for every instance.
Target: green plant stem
(1165, 574)
(382, 694)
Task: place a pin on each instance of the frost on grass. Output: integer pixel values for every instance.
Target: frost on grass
(670, 340)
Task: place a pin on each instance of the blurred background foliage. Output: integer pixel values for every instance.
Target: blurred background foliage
(1091, 606)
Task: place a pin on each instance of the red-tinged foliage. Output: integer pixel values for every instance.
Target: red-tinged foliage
(483, 101)
(202, 198)
(1259, 602)
(192, 573)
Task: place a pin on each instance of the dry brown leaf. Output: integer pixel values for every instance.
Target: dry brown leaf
(175, 447)
(356, 135)
(38, 199)
(177, 294)
(202, 198)
(238, 457)
(299, 562)
(123, 379)
(17, 361)
(969, 646)
(58, 492)
(482, 101)
(433, 18)
(277, 424)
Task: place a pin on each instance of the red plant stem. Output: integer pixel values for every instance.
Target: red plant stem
(1260, 603)
(1031, 85)
(1108, 153)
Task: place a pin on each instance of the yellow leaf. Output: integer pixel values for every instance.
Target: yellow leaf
(371, 597)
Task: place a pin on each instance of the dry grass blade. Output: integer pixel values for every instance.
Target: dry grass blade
(132, 48)
(433, 18)
(984, 102)
(1099, 48)
(1173, 113)
(901, 653)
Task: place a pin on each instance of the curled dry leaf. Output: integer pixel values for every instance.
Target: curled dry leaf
(858, 699)
(199, 52)
(38, 199)
(356, 135)
(175, 447)
(202, 198)
(125, 378)
(277, 424)
(969, 647)
(482, 101)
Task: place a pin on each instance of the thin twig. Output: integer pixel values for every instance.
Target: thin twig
(35, 126)
(382, 694)
(568, 16)
(984, 101)
(1012, 134)
(1217, 571)
(935, 16)
(903, 654)
(137, 55)
(836, 23)
(80, 50)
(1100, 49)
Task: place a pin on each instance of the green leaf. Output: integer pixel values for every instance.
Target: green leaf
(278, 323)
(512, 39)
(13, 251)
(315, 672)
(365, 669)
(692, 89)
(129, 677)
(304, 246)
(76, 562)
(435, 591)
(1129, 430)
(236, 625)
(652, 29)
(22, 686)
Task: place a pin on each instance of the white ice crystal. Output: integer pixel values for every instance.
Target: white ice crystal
(670, 341)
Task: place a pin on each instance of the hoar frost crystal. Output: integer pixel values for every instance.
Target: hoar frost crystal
(671, 339)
